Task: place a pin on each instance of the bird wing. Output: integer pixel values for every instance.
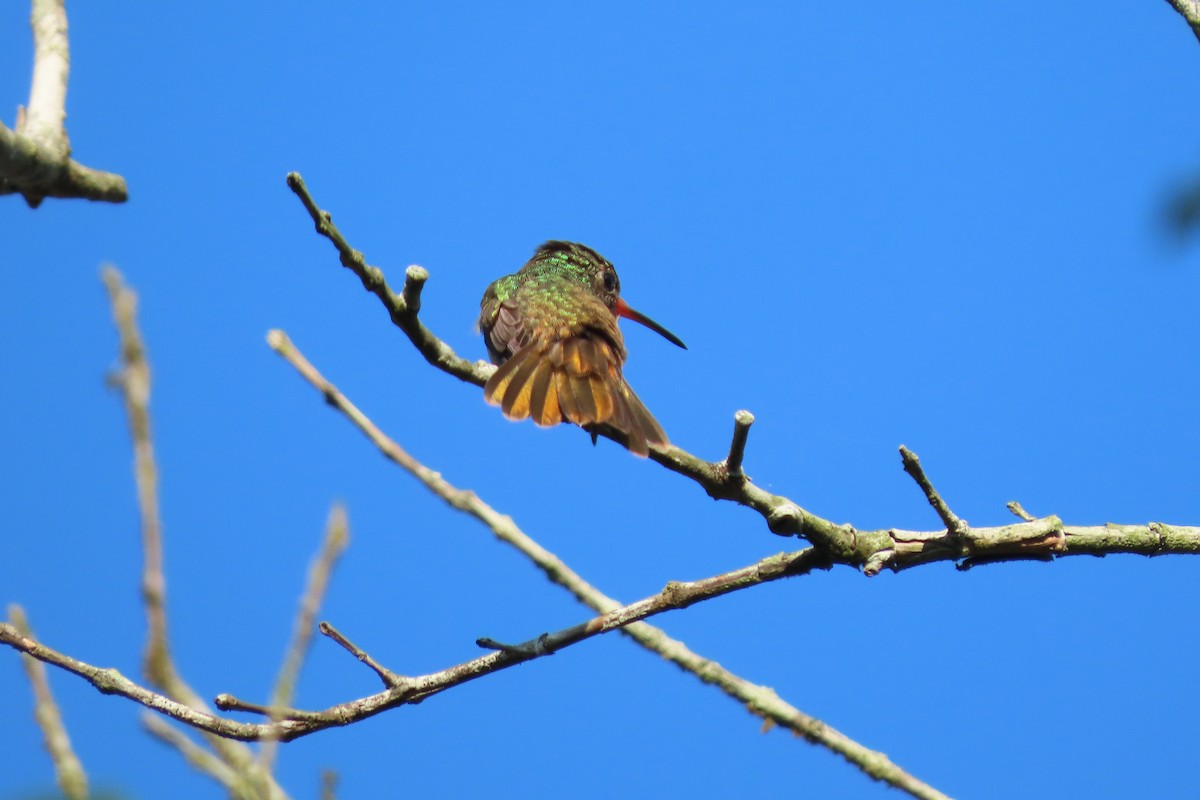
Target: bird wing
(500, 321)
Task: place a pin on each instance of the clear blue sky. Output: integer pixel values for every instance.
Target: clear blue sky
(936, 226)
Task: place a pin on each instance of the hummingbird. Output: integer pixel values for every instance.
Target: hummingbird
(552, 328)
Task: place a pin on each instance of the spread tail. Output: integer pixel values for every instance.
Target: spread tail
(576, 380)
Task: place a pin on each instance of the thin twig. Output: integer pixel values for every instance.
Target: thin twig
(68, 769)
(742, 421)
(403, 315)
(1016, 509)
(337, 538)
(329, 781)
(389, 678)
(133, 380)
(912, 465)
(297, 723)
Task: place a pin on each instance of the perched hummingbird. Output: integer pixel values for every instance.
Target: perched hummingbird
(552, 328)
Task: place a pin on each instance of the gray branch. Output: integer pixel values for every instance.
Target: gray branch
(870, 551)
(35, 158)
(1190, 10)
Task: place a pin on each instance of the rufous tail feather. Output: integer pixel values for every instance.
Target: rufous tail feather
(577, 380)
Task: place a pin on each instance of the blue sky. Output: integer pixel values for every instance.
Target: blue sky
(937, 227)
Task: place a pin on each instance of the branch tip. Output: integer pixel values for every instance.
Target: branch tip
(389, 678)
(1016, 509)
(414, 281)
(742, 420)
(277, 340)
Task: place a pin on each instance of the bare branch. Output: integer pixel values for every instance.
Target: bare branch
(403, 315)
(389, 678)
(783, 516)
(35, 159)
(72, 778)
(742, 421)
(1190, 10)
(870, 551)
(333, 546)
(110, 681)
(912, 465)
(47, 111)
(337, 538)
(758, 700)
(1016, 509)
(329, 780)
(293, 724)
(133, 380)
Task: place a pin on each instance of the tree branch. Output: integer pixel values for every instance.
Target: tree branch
(293, 724)
(1190, 10)
(758, 700)
(35, 159)
(870, 551)
(912, 465)
(389, 678)
(783, 516)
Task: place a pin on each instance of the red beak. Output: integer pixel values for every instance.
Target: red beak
(622, 309)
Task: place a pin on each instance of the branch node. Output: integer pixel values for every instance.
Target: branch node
(785, 519)
(877, 561)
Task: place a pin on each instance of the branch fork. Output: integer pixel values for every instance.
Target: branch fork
(35, 158)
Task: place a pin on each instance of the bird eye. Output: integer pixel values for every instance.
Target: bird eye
(610, 282)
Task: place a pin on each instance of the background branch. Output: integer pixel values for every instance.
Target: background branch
(195, 755)
(72, 778)
(133, 380)
(334, 543)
